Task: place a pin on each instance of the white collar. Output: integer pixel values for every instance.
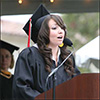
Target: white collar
(35, 45)
(59, 52)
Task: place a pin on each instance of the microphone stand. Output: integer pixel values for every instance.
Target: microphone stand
(54, 75)
(54, 85)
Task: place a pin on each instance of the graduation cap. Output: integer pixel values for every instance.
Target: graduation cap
(8, 46)
(36, 20)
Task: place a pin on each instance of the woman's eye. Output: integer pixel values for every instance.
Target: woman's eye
(54, 28)
(7, 56)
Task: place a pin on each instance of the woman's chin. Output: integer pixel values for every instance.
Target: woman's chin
(4, 67)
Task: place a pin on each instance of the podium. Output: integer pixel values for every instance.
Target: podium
(82, 87)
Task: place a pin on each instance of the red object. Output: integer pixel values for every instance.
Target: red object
(29, 34)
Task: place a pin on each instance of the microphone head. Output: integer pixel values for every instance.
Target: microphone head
(68, 42)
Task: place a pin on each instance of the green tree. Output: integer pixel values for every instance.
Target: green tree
(82, 27)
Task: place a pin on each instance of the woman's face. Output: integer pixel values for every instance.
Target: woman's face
(5, 59)
(56, 35)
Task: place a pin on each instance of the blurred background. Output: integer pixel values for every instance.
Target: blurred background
(80, 16)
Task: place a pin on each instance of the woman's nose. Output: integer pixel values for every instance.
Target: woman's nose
(61, 30)
(2, 58)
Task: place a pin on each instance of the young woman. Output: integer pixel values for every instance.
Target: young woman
(35, 63)
(6, 62)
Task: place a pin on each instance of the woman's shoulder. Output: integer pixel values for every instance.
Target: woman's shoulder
(29, 50)
(32, 55)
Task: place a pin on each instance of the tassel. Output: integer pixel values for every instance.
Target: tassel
(29, 34)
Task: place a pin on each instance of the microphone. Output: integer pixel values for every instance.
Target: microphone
(68, 42)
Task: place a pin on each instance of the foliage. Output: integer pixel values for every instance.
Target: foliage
(81, 27)
(84, 70)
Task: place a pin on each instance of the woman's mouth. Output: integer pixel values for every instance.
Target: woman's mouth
(60, 37)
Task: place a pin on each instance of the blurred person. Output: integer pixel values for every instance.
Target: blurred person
(6, 62)
(35, 63)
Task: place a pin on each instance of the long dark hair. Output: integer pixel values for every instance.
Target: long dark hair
(43, 41)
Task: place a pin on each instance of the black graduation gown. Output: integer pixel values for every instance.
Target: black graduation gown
(5, 87)
(30, 75)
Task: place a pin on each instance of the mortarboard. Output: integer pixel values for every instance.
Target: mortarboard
(37, 19)
(8, 46)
